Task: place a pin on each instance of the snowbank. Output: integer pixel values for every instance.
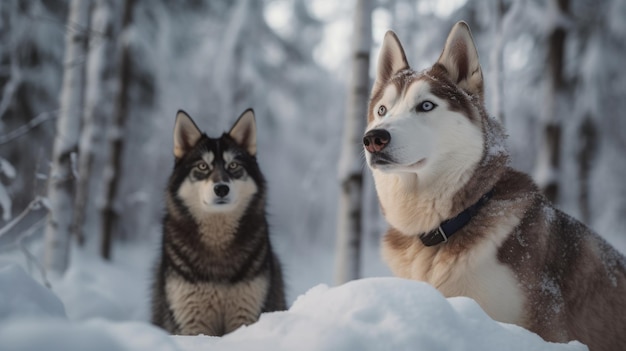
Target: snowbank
(379, 314)
(21, 296)
(368, 314)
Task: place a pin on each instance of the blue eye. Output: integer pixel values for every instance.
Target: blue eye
(426, 106)
(382, 110)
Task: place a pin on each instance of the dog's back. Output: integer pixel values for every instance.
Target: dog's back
(574, 281)
(217, 270)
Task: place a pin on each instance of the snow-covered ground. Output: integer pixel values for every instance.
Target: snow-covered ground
(104, 306)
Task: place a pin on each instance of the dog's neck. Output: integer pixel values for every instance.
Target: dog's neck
(451, 226)
(411, 206)
(215, 230)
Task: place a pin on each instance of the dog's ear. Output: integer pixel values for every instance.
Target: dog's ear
(391, 60)
(244, 131)
(186, 134)
(460, 59)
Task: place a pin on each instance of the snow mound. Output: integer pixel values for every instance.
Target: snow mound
(367, 314)
(21, 296)
(378, 314)
(30, 334)
(100, 289)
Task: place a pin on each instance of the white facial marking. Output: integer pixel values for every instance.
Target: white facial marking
(208, 158)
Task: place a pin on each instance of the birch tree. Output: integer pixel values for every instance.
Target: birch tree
(116, 141)
(62, 175)
(97, 101)
(350, 163)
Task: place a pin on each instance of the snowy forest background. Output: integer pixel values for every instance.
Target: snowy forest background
(554, 74)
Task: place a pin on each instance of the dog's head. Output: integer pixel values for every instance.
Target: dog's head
(215, 175)
(428, 122)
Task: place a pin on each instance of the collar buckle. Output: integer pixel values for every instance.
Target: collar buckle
(443, 234)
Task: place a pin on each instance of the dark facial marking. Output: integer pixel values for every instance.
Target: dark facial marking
(443, 88)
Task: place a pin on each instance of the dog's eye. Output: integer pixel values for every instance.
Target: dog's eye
(426, 106)
(382, 110)
(202, 166)
(233, 165)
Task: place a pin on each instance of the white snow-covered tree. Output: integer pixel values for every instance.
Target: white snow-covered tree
(62, 172)
(98, 95)
(350, 163)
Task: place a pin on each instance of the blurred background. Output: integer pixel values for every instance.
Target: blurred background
(554, 74)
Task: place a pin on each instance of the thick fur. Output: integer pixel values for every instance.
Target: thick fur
(521, 259)
(217, 270)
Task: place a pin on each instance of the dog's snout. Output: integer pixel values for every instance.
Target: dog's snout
(376, 140)
(221, 190)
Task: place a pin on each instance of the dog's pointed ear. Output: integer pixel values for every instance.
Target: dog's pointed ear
(391, 60)
(460, 59)
(186, 134)
(244, 131)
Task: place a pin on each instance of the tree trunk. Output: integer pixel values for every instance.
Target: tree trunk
(97, 99)
(549, 160)
(350, 162)
(61, 180)
(588, 135)
(497, 65)
(112, 173)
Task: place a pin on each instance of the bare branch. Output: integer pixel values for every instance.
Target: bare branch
(41, 118)
(32, 206)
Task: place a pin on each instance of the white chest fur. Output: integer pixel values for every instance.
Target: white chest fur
(475, 272)
(213, 309)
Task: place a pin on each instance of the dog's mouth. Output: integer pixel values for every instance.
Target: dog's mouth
(216, 202)
(417, 164)
(384, 162)
(380, 161)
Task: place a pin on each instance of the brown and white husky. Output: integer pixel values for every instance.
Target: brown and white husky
(463, 221)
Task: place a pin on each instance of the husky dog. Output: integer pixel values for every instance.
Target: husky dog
(463, 221)
(217, 270)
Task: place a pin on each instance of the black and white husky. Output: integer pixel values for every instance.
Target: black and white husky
(463, 221)
(217, 270)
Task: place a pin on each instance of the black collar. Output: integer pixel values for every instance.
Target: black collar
(450, 226)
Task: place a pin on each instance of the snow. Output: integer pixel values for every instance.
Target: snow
(21, 296)
(367, 314)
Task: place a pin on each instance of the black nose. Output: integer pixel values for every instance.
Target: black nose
(376, 140)
(221, 190)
